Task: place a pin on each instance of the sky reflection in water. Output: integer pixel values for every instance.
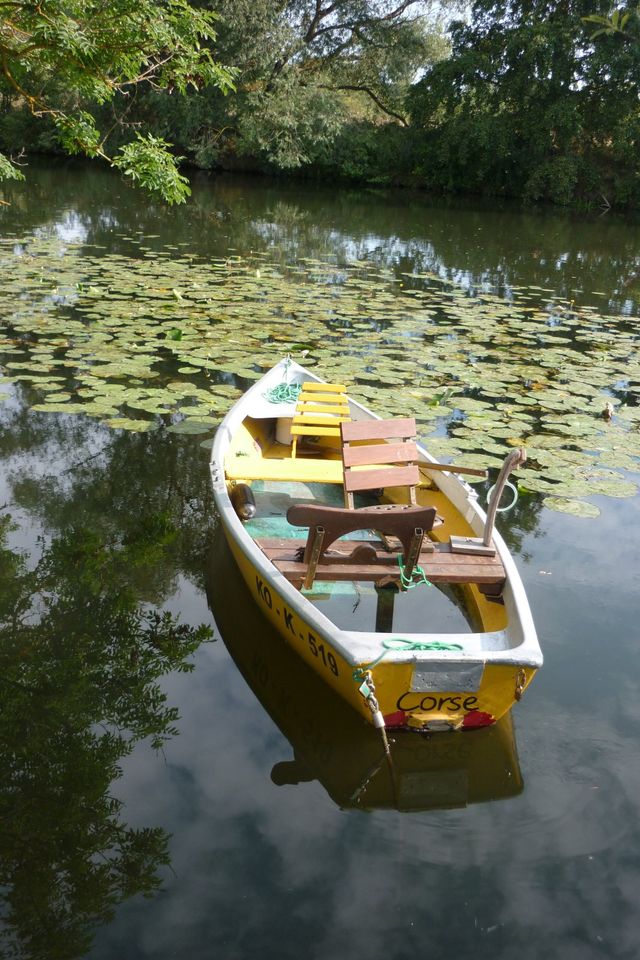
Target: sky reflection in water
(547, 867)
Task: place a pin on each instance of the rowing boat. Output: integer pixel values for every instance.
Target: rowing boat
(373, 560)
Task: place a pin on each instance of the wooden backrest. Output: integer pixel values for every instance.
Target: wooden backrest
(386, 456)
(320, 409)
(397, 521)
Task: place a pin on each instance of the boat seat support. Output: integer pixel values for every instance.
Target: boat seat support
(409, 524)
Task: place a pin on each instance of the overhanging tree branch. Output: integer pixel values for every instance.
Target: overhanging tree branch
(363, 88)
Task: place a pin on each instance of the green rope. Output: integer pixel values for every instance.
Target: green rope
(283, 393)
(408, 583)
(399, 644)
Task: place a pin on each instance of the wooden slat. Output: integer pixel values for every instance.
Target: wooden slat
(380, 453)
(440, 566)
(379, 429)
(314, 431)
(313, 386)
(382, 477)
(308, 406)
(317, 397)
(305, 418)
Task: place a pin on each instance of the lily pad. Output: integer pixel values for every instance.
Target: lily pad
(189, 427)
(135, 426)
(576, 508)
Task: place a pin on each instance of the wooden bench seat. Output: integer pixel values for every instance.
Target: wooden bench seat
(301, 469)
(375, 562)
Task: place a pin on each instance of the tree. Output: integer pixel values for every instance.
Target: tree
(372, 48)
(59, 56)
(528, 106)
(305, 68)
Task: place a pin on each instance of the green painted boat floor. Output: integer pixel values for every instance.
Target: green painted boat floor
(273, 499)
(353, 605)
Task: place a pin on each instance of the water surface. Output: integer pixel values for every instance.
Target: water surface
(266, 821)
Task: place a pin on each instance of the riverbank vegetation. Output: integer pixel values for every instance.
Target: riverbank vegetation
(535, 100)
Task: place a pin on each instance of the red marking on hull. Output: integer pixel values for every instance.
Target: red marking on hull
(477, 718)
(397, 719)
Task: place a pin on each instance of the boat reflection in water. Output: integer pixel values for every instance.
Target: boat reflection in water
(332, 743)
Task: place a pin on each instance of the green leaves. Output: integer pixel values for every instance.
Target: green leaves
(616, 23)
(527, 106)
(78, 133)
(8, 170)
(62, 56)
(147, 162)
(308, 67)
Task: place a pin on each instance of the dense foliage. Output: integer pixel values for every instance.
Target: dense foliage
(307, 69)
(530, 104)
(535, 99)
(60, 57)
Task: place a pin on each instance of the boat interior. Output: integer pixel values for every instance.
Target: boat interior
(347, 511)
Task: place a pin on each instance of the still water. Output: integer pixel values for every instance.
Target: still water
(264, 821)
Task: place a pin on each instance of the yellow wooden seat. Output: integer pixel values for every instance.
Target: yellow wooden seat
(320, 409)
(302, 469)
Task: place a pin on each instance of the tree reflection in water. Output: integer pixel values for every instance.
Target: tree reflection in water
(80, 668)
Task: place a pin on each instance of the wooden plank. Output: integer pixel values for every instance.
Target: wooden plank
(436, 573)
(304, 469)
(319, 418)
(380, 453)
(308, 406)
(379, 429)
(315, 387)
(314, 431)
(453, 468)
(440, 566)
(382, 477)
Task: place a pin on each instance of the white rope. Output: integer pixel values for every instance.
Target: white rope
(509, 506)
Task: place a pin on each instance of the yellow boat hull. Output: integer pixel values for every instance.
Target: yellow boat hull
(332, 744)
(501, 685)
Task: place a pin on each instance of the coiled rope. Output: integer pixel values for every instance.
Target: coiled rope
(285, 392)
(408, 583)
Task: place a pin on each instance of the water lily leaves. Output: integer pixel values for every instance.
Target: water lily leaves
(97, 409)
(620, 460)
(611, 484)
(61, 397)
(149, 406)
(190, 427)
(126, 423)
(575, 508)
(159, 332)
